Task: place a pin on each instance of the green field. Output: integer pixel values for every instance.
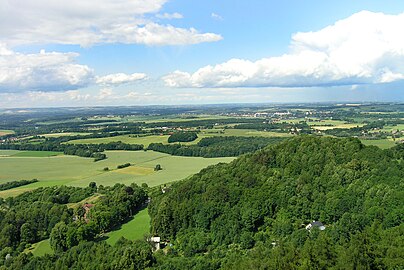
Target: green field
(383, 143)
(133, 230)
(78, 171)
(146, 140)
(56, 135)
(16, 153)
(40, 248)
(5, 132)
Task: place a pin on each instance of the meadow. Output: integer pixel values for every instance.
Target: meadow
(146, 140)
(40, 248)
(5, 132)
(78, 171)
(134, 229)
(382, 143)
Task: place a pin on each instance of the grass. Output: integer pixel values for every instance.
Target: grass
(40, 248)
(146, 140)
(133, 230)
(382, 143)
(131, 139)
(36, 154)
(56, 135)
(6, 132)
(78, 171)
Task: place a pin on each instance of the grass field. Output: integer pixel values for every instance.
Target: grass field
(16, 153)
(78, 171)
(146, 140)
(133, 230)
(56, 135)
(5, 132)
(40, 248)
(383, 143)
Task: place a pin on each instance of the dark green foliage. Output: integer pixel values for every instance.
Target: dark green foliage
(216, 146)
(182, 137)
(265, 199)
(14, 184)
(123, 166)
(157, 168)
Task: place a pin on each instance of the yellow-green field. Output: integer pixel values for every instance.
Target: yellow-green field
(382, 143)
(146, 140)
(78, 171)
(5, 132)
(56, 135)
(40, 248)
(135, 229)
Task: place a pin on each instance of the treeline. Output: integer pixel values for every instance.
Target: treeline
(14, 184)
(252, 213)
(220, 146)
(182, 137)
(302, 128)
(81, 150)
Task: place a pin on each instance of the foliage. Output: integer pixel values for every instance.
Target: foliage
(182, 137)
(14, 184)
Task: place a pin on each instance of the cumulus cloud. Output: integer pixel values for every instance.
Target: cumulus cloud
(365, 48)
(44, 71)
(91, 22)
(170, 16)
(120, 78)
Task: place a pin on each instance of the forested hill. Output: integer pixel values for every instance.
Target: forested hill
(252, 213)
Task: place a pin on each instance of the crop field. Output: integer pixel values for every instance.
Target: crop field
(5, 132)
(133, 230)
(78, 171)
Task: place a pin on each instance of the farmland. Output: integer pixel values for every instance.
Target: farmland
(77, 171)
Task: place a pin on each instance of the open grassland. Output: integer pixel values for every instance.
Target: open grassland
(382, 143)
(56, 135)
(131, 139)
(78, 171)
(40, 248)
(5, 132)
(133, 230)
(399, 127)
(16, 153)
(146, 140)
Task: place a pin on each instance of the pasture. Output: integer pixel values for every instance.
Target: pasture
(5, 132)
(78, 171)
(40, 248)
(382, 143)
(135, 229)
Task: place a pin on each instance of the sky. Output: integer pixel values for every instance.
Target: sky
(167, 52)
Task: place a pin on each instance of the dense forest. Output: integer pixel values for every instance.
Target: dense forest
(226, 146)
(250, 214)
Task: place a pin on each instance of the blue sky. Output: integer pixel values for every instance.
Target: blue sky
(105, 52)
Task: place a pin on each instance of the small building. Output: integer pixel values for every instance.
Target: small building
(314, 224)
(155, 241)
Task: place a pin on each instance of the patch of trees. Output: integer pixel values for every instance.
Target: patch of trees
(182, 137)
(298, 128)
(30, 217)
(81, 150)
(123, 166)
(14, 184)
(251, 213)
(221, 146)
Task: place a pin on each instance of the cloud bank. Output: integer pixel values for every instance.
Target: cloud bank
(365, 48)
(91, 22)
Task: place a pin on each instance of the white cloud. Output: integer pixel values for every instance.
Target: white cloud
(365, 48)
(216, 16)
(90, 22)
(170, 16)
(120, 78)
(41, 72)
